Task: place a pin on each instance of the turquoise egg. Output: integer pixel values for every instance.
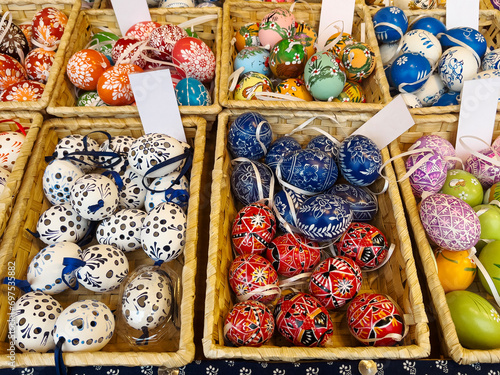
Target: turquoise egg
(253, 59)
(325, 76)
(190, 91)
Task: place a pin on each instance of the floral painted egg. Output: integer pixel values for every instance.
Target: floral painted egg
(249, 323)
(365, 244)
(162, 242)
(286, 204)
(294, 87)
(252, 59)
(487, 173)
(277, 25)
(10, 145)
(411, 100)
(456, 66)
(326, 144)
(439, 145)
(90, 99)
(250, 84)
(431, 24)
(253, 229)
(23, 91)
(362, 201)
(122, 230)
(246, 36)
(390, 24)
(48, 27)
(280, 147)
(423, 42)
(458, 36)
(104, 42)
(410, 71)
(463, 185)
(252, 277)
(293, 254)
(324, 217)
(491, 60)
(245, 181)
(142, 30)
(344, 41)
(246, 135)
(324, 75)
(38, 63)
(287, 59)
(163, 39)
(129, 50)
(352, 92)
(456, 270)
(450, 222)
(302, 320)
(193, 58)
(14, 42)
(73, 148)
(190, 91)
(4, 176)
(58, 178)
(114, 85)
(61, 223)
(427, 177)
(311, 170)
(431, 91)
(85, 68)
(375, 320)
(416, 4)
(166, 189)
(358, 60)
(306, 35)
(11, 71)
(359, 160)
(335, 281)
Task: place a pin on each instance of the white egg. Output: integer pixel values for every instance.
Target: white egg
(122, 230)
(431, 91)
(424, 43)
(94, 197)
(61, 223)
(10, 147)
(58, 178)
(457, 65)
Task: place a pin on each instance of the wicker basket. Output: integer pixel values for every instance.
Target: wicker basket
(63, 103)
(22, 12)
(489, 26)
(446, 127)
(397, 278)
(19, 246)
(32, 122)
(237, 14)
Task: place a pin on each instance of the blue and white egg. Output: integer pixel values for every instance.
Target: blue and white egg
(61, 223)
(431, 24)
(94, 197)
(46, 269)
(410, 71)
(58, 178)
(390, 24)
(166, 191)
(74, 143)
(491, 60)
(119, 144)
(359, 160)
(85, 326)
(448, 98)
(133, 192)
(431, 91)
(245, 135)
(458, 36)
(245, 181)
(424, 43)
(411, 100)
(388, 51)
(325, 144)
(457, 65)
(190, 91)
(286, 203)
(122, 230)
(4, 176)
(363, 202)
(253, 59)
(280, 147)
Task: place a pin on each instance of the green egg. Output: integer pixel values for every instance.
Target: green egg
(490, 258)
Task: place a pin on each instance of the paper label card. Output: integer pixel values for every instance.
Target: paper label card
(388, 124)
(129, 12)
(332, 12)
(462, 13)
(157, 104)
(478, 107)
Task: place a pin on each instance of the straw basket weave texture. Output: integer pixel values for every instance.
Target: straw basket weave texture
(397, 278)
(31, 121)
(22, 12)
(446, 127)
(489, 26)
(19, 247)
(237, 14)
(63, 103)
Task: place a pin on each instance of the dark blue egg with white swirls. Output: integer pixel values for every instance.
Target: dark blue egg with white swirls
(283, 206)
(245, 182)
(325, 144)
(363, 202)
(359, 160)
(430, 24)
(244, 135)
(280, 147)
(324, 217)
(311, 170)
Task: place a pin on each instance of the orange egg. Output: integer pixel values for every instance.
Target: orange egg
(11, 71)
(114, 85)
(85, 67)
(23, 91)
(294, 87)
(456, 270)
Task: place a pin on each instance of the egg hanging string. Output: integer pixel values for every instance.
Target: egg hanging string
(322, 41)
(71, 265)
(495, 161)
(462, 44)
(23, 285)
(59, 361)
(400, 42)
(19, 126)
(266, 200)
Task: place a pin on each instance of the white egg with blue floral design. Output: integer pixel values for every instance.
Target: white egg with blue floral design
(58, 178)
(491, 60)
(122, 230)
(431, 91)
(457, 65)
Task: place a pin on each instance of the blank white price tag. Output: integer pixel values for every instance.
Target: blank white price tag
(155, 98)
(388, 124)
(129, 12)
(478, 107)
(332, 11)
(462, 13)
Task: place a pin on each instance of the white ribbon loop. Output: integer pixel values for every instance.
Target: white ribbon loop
(234, 78)
(266, 290)
(495, 161)
(275, 96)
(197, 21)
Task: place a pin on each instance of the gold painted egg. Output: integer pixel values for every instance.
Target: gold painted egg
(250, 84)
(294, 87)
(352, 92)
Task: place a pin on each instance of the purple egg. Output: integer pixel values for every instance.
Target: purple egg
(450, 222)
(438, 144)
(487, 173)
(428, 177)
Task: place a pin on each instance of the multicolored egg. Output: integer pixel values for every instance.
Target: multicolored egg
(375, 320)
(277, 25)
(249, 136)
(362, 201)
(390, 24)
(90, 99)
(324, 75)
(114, 86)
(245, 181)
(142, 30)
(427, 177)
(23, 91)
(358, 60)
(344, 41)
(450, 222)
(252, 277)
(486, 172)
(190, 91)
(294, 87)
(410, 71)
(352, 92)
(11, 71)
(252, 59)
(287, 59)
(455, 269)
(85, 68)
(193, 58)
(306, 35)
(249, 323)
(253, 229)
(246, 36)
(359, 160)
(456, 66)
(163, 40)
(251, 84)
(48, 27)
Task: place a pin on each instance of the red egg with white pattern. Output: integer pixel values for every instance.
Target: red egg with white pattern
(163, 39)
(85, 68)
(48, 27)
(10, 148)
(23, 91)
(114, 85)
(194, 59)
(142, 30)
(129, 50)
(27, 30)
(38, 63)
(11, 71)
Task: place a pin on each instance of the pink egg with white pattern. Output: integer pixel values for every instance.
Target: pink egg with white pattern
(438, 144)
(163, 39)
(142, 30)
(277, 25)
(487, 172)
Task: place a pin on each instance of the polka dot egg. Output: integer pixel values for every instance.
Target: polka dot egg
(122, 230)
(166, 191)
(58, 178)
(75, 144)
(61, 223)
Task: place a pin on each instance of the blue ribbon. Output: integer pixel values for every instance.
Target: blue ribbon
(95, 207)
(158, 263)
(58, 356)
(24, 285)
(116, 177)
(89, 236)
(144, 338)
(34, 234)
(181, 195)
(71, 264)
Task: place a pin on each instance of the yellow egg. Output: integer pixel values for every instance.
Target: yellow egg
(294, 87)
(456, 270)
(250, 84)
(306, 35)
(358, 60)
(346, 40)
(352, 92)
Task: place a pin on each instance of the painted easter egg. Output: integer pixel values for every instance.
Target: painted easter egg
(277, 25)
(358, 60)
(423, 42)
(344, 41)
(286, 203)
(359, 160)
(352, 92)
(14, 42)
(10, 144)
(492, 193)
(329, 145)
(287, 59)
(166, 189)
(190, 91)
(302, 320)
(38, 63)
(335, 281)
(491, 60)
(463, 185)
(193, 58)
(246, 36)
(456, 271)
(489, 217)
(324, 76)
(431, 91)
(58, 178)
(306, 35)
(61, 223)
(142, 30)
(249, 323)
(11, 71)
(122, 230)
(253, 229)
(431, 24)
(410, 71)
(294, 87)
(390, 24)
(76, 145)
(245, 181)
(411, 100)
(94, 197)
(90, 99)
(246, 135)
(163, 40)
(48, 27)
(458, 36)
(250, 84)
(85, 68)
(129, 50)
(23, 91)
(103, 42)
(253, 59)
(430, 175)
(388, 52)
(457, 65)
(486, 172)
(280, 147)
(324, 217)
(114, 85)
(450, 222)
(438, 144)
(375, 320)
(362, 201)
(490, 259)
